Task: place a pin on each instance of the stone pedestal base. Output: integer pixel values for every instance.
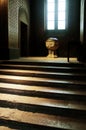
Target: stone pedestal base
(52, 54)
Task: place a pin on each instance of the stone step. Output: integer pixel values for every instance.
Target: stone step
(39, 120)
(43, 91)
(42, 95)
(45, 68)
(41, 81)
(44, 105)
(35, 73)
(44, 63)
(5, 128)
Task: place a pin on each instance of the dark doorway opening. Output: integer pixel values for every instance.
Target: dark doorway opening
(23, 40)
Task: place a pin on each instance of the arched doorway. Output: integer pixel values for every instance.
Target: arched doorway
(23, 33)
(23, 39)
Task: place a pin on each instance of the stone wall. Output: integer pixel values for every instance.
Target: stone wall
(18, 10)
(12, 12)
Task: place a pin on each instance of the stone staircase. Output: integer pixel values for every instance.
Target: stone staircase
(42, 95)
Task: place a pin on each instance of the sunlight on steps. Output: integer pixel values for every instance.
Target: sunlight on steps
(37, 94)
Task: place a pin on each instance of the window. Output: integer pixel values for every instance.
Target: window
(56, 14)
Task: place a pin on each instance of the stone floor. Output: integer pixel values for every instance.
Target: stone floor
(46, 59)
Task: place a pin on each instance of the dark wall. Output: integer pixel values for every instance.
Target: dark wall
(3, 28)
(11, 14)
(39, 35)
(85, 24)
(36, 27)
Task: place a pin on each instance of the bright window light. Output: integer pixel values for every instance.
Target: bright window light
(56, 14)
(50, 25)
(51, 17)
(61, 24)
(61, 5)
(61, 16)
